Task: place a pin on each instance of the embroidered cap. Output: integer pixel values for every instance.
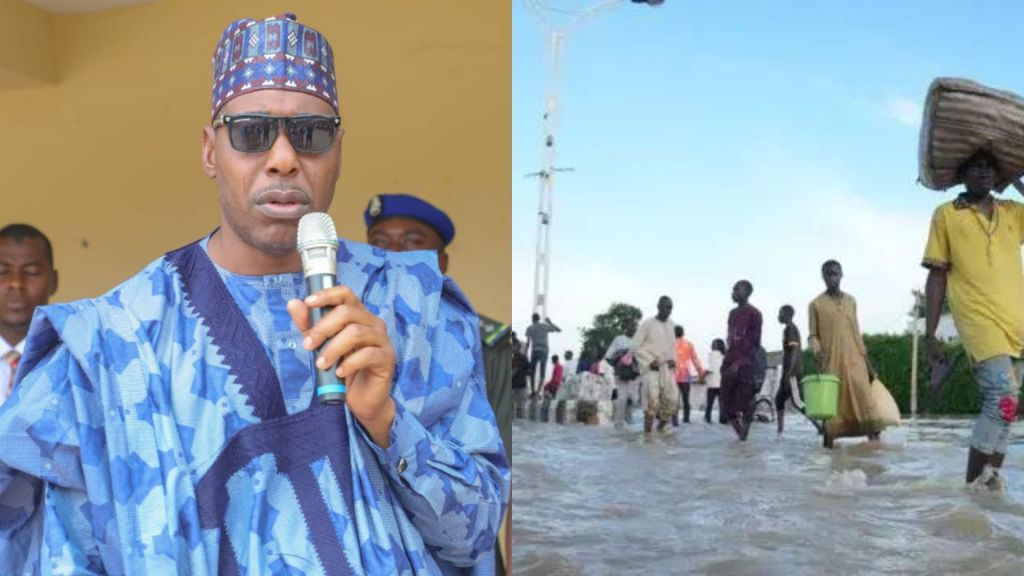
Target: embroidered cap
(275, 53)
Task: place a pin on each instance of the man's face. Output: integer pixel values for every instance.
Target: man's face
(664, 308)
(630, 328)
(263, 194)
(740, 294)
(784, 316)
(27, 280)
(404, 234)
(832, 275)
(980, 175)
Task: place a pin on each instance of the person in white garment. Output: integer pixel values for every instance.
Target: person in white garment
(627, 378)
(655, 349)
(714, 380)
(570, 380)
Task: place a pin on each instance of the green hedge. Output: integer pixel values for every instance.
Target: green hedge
(890, 354)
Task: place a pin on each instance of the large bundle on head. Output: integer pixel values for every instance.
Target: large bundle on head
(962, 117)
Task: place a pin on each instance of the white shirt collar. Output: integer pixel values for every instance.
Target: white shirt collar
(5, 347)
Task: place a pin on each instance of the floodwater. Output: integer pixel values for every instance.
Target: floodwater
(693, 500)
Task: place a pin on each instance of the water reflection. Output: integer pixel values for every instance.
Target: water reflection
(595, 500)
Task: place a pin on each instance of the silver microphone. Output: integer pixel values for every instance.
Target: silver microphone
(318, 246)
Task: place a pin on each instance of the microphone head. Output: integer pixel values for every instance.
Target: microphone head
(318, 245)
(316, 228)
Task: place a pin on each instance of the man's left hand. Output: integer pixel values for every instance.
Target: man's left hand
(358, 339)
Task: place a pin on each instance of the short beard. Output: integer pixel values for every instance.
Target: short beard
(273, 249)
(250, 235)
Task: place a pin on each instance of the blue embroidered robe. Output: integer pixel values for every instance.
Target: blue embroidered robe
(149, 434)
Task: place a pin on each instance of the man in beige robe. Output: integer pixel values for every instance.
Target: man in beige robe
(655, 352)
(836, 340)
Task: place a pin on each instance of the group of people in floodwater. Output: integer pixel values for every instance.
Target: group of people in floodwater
(653, 363)
(972, 257)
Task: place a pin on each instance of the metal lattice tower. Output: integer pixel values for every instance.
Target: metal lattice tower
(573, 19)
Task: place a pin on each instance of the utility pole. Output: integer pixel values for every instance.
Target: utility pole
(546, 175)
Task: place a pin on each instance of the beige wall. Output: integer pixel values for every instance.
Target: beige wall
(106, 159)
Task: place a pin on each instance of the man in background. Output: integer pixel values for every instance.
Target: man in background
(557, 371)
(27, 280)
(834, 335)
(570, 379)
(686, 358)
(791, 365)
(627, 377)
(537, 343)
(655, 351)
(520, 368)
(570, 363)
(739, 367)
(403, 222)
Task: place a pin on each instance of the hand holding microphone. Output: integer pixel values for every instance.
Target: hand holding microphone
(318, 247)
(351, 343)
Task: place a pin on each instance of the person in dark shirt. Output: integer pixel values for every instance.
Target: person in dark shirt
(791, 368)
(738, 368)
(520, 372)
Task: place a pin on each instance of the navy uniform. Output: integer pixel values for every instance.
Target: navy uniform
(497, 344)
(495, 336)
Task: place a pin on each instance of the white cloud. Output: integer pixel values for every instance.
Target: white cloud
(904, 110)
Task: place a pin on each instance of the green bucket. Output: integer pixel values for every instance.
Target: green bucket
(821, 395)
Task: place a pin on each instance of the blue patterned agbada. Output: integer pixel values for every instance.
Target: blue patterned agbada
(169, 427)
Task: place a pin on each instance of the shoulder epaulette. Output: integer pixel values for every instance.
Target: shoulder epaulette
(492, 332)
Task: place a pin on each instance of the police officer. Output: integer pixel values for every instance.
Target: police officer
(402, 222)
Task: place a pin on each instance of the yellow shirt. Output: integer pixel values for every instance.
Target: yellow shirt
(985, 282)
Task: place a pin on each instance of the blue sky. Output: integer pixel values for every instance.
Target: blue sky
(713, 141)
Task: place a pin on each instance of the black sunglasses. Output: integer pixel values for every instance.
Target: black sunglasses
(307, 133)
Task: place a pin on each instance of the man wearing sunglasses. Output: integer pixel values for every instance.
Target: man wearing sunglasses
(171, 426)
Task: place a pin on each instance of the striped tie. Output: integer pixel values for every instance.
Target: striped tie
(10, 362)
